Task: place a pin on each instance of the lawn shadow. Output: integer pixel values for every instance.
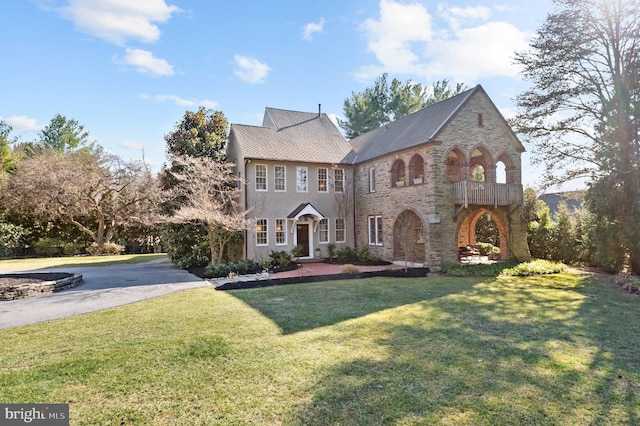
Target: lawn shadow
(301, 307)
(516, 354)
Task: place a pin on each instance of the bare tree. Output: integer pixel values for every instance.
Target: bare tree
(93, 190)
(209, 194)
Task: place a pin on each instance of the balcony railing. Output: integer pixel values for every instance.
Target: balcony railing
(487, 194)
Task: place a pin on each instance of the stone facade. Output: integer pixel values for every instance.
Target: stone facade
(418, 185)
(479, 136)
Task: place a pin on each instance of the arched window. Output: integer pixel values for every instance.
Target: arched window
(454, 164)
(505, 171)
(416, 170)
(480, 166)
(398, 174)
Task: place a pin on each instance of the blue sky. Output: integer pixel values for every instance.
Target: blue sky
(128, 69)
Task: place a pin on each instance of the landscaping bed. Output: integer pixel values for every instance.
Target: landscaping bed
(395, 273)
(20, 286)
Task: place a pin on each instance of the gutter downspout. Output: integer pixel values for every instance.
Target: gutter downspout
(246, 204)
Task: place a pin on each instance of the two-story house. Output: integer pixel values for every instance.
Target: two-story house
(412, 190)
(298, 187)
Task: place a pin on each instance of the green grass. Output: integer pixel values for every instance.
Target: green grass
(550, 350)
(75, 261)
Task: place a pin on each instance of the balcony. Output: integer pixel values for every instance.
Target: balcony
(466, 193)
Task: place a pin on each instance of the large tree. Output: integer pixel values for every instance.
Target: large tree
(200, 134)
(383, 103)
(208, 190)
(7, 160)
(582, 113)
(92, 190)
(63, 134)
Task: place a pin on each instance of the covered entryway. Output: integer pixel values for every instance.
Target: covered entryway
(408, 238)
(304, 222)
(467, 232)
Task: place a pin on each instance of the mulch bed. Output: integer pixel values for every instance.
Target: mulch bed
(397, 273)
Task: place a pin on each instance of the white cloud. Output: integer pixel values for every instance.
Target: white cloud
(117, 21)
(477, 52)
(179, 101)
(392, 36)
(131, 145)
(312, 28)
(463, 45)
(22, 123)
(146, 63)
(250, 69)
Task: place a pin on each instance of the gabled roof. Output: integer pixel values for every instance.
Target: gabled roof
(304, 209)
(293, 136)
(415, 129)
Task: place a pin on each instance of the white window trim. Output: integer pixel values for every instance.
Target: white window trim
(275, 187)
(326, 179)
(343, 181)
(328, 232)
(284, 230)
(378, 241)
(297, 179)
(266, 221)
(344, 230)
(266, 178)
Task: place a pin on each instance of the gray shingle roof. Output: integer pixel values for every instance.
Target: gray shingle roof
(293, 136)
(409, 131)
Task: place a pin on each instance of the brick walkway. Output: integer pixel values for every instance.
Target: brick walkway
(321, 268)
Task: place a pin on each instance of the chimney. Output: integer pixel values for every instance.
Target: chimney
(319, 109)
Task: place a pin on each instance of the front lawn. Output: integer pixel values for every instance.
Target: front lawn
(557, 349)
(32, 263)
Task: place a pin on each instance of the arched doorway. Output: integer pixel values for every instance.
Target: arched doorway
(489, 226)
(408, 238)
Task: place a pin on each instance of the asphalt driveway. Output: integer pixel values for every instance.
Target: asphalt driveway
(102, 287)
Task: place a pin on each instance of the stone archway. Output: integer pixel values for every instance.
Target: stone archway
(467, 229)
(408, 238)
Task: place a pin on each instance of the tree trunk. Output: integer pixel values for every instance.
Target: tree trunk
(210, 237)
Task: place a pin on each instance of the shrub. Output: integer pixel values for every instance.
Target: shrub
(217, 270)
(479, 270)
(280, 259)
(630, 283)
(223, 269)
(108, 249)
(186, 244)
(331, 252)
(71, 249)
(11, 239)
(350, 269)
(364, 255)
(49, 247)
(535, 267)
(486, 248)
(346, 255)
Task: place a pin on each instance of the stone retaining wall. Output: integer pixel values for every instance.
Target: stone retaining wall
(47, 283)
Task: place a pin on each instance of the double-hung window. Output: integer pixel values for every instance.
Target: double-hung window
(280, 178)
(340, 230)
(338, 180)
(281, 232)
(261, 177)
(322, 180)
(261, 232)
(375, 230)
(323, 231)
(302, 179)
